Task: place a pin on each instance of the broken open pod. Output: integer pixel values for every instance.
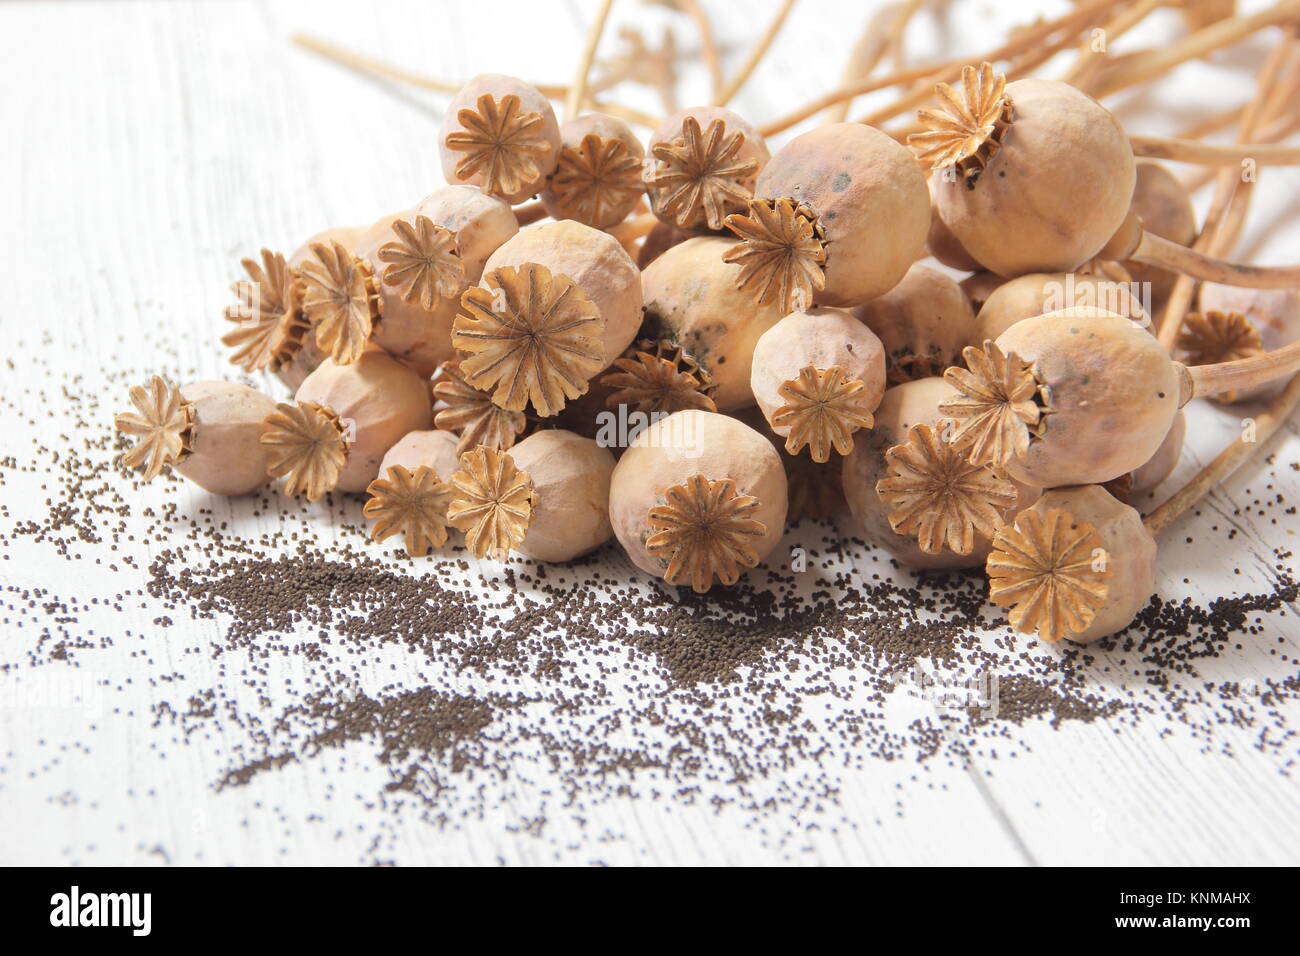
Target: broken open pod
(838, 217)
(704, 162)
(817, 377)
(492, 502)
(698, 497)
(501, 135)
(923, 323)
(597, 181)
(207, 432)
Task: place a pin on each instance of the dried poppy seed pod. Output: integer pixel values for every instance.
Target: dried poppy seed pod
(702, 165)
(480, 223)
(1029, 295)
(344, 420)
(817, 377)
(433, 448)
(1272, 313)
(979, 286)
(1078, 564)
(493, 502)
(207, 432)
(923, 322)
(571, 476)
(1162, 464)
(943, 245)
(596, 264)
(692, 301)
(840, 214)
(903, 408)
(1033, 176)
(698, 496)
(598, 178)
(1164, 207)
(501, 135)
(659, 240)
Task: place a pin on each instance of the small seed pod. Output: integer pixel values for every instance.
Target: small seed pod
(571, 476)
(493, 502)
(1040, 292)
(598, 179)
(501, 135)
(1033, 176)
(655, 377)
(1164, 207)
(698, 496)
(658, 241)
(207, 432)
(1162, 464)
(343, 421)
(433, 448)
(702, 166)
(1078, 564)
(979, 286)
(596, 264)
(817, 377)
(840, 214)
(926, 494)
(1272, 314)
(480, 223)
(923, 322)
(471, 414)
(692, 301)
(412, 502)
(943, 245)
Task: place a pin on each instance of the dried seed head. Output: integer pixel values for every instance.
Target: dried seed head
(492, 502)
(704, 530)
(658, 377)
(1210, 337)
(423, 262)
(411, 503)
(824, 407)
(782, 253)
(309, 448)
(269, 315)
(162, 423)
(503, 145)
(1000, 405)
(597, 180)
(971, 130)
(472, 414)
(341, 300)
(533, 336)
(699, 175)
(923, 323)
(940, 498)
(1044, 567)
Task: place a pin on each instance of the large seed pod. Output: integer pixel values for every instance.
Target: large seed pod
(571, 479)
(924, 322)
(692, 301)
(698, 496)
(1040, 292)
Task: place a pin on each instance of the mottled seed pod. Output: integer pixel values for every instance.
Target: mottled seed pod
(598, 179)
(571, 479)
(924, 322)
(1027, 296)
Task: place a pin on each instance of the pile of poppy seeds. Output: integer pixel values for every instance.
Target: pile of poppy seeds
(553, 689)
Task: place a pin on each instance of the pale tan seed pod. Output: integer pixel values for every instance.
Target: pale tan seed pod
(432, 448)
(481, 223)
(702, 166)
(1078, 564)
(943, 245)
(309, 356)
(208, 432)
(840, 214)
(923, 322)
(817, 376)
(978, 286)
(1033, 176)
(377, 401)
(571, 478)
(596, 263)
(1273, 313)
(1029, 295)
(692, 301)
(1164, 207)
(658, 241)
(1162, 464)
(903, 407)
(698, 496)
(598, 178)
(501, 135)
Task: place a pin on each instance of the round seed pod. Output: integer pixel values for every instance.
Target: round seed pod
(1048, 185)
(501, 135)
(1109, 391)
(1040, 292)
(1091, 567)
(817, 376)
(1163, 205)
(704, 162)
(924, 322)
(310, 355)
(979, 286)
(480, 223)
(377, 400)
(1162, 464)
(434, 448)
(571, 477)
(943, 245)
(904, 406)
(1273, 313)
(595, 262)
(698, 496)
(658, 241)
(692, 301)
(598, 178)
(865, 201)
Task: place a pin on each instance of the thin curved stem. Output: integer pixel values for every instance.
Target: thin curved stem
(1123, 21)
(755, 56)
(1214, 154)
(1228, 460)
(578, 89)
(1155, 251)
(1243, 374)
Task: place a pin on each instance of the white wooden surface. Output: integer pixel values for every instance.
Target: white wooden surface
(148, 146)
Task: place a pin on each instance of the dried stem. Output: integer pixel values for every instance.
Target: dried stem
(1090, 54)
(1228, 460)
(1246, 373)
(882, 33)
(578, 89)
(1155, 251)
(755, 56)
(709, 47)
(1214, 154)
